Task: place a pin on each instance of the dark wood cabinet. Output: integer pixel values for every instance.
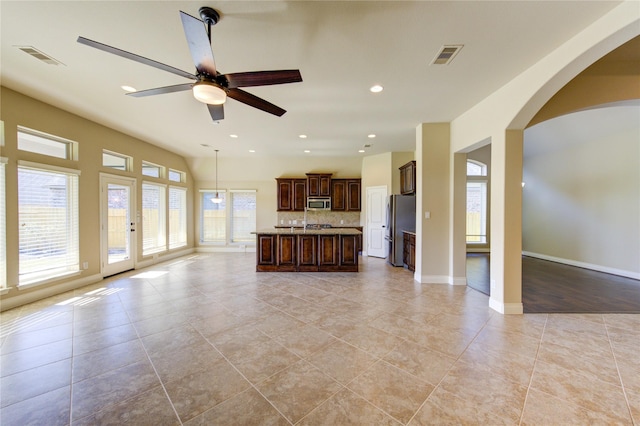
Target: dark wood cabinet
(286, 253)
(348, 250)
(345, 195)
(327, 250)
(307, 253)
(354, 188)
(318, 185)
(339, 195)
(292, 195)
(408, 178)
(266, 251)
(409, 251)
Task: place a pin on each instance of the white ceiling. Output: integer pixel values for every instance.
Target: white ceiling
(341, 48)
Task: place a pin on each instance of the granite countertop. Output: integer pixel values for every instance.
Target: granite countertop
(301, 231)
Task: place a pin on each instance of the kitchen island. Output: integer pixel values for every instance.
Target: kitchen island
(307, 250)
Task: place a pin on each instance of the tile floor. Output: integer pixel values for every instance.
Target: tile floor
(205, 340)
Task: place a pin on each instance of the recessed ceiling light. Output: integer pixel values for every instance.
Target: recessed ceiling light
(252, 150)
(376, 89)
(306, 151)
(233, 136)
(362, 150)
(128, 88)
(302, 136)
(371, 136)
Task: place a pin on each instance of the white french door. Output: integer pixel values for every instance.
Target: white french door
(117, 224)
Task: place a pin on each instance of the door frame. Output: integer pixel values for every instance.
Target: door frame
(105, 179)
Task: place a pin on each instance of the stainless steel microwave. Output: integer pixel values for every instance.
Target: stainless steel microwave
(318, 203)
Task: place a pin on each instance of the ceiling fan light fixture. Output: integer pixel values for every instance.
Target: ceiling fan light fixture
(209, 93)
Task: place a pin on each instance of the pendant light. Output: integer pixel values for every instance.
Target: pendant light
(217, 199)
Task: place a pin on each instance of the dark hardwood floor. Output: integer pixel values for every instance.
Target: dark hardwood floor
(549, 287)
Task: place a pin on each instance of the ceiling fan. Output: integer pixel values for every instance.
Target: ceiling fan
(210, 87)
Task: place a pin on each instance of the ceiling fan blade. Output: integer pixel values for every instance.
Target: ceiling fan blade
(216, 111)
(161, 90)
(262, 78)
(254, 101)
(199, 45)
(134, 57)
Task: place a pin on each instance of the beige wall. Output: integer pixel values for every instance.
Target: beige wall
(19, 110)
(581, 201)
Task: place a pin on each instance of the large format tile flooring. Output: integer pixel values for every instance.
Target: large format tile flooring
(205, 340)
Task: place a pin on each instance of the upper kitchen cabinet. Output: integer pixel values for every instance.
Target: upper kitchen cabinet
(345, 195)
(408, 178)
(318, 184)
(292, 194)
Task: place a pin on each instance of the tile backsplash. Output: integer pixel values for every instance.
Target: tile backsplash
(314, 217)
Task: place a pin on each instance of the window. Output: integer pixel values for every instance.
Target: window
(3, 229)
(152, 170)
(116, 161)
(48, 222)
(153, 218)
(177, 217)
(476, 202)
(176, 176)
(476, 168)
(213, 217)
(243, 216)
(41, 143)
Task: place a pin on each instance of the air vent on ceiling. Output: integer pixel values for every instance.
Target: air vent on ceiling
(30, 50)
(446, 54)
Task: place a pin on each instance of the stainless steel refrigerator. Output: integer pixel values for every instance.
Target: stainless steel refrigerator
(401, 216)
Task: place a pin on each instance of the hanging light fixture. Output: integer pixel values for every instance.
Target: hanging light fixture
(217, 199)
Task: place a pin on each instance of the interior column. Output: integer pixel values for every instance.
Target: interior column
(506, 222)
(432, 203)
(458, 209)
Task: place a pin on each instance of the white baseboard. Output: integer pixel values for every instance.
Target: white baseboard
(599, 268)
(36, 294)
(163, 258)
(458, 280)
(226, 249)
(506, 308)
(434, 279)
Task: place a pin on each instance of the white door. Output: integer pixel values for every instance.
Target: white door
(377, 246)
(117, 224)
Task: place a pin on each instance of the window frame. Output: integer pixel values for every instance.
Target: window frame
(181, 233)
(128, 160)
(483, 180)
(232, 217)
(160, 230)
(70, 147)
(145, 165)
(203, 228)
(3, 224)
(71, 231)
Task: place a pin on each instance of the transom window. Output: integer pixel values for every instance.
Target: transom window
(41, 143)
(116, 161)
(152, 170)
(176, 176)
